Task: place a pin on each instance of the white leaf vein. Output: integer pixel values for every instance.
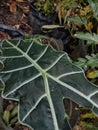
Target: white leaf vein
(41, 55)
(55, 62)
(14, 70)
(18, 43)
(92, 94)
(34, 107)
(70, 73)
(6, 57)
(29, 47)
(23, 83)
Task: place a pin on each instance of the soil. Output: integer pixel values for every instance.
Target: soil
(17, 19)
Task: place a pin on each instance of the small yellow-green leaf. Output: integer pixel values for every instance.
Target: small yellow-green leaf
(14, 111)
(6, 116)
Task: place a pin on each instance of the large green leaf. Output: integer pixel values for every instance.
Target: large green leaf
(40, 78)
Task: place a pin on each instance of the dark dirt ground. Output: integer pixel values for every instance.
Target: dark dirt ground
(18, 19)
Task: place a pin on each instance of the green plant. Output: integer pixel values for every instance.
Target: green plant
(46, 7)
(88, 120)
(72, 14)
(10, 114)
(90, 38)
(76, 15)
(88, 126)
(39, 78)
(88, 62)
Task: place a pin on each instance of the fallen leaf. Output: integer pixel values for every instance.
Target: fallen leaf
(13, 7)
(11, 1)
(20, 0)
(89, 26)
(16, 26)
(92, 73)
(4, 35)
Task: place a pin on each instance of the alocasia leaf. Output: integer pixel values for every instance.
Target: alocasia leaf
(40, 78)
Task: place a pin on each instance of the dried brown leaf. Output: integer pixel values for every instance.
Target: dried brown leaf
(13, 7)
